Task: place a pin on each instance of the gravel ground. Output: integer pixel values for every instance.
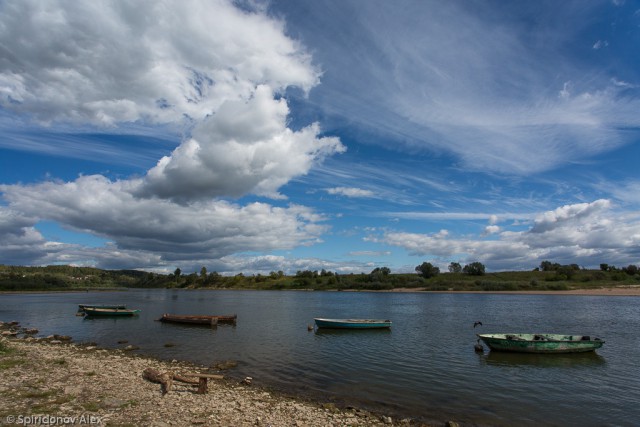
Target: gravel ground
(54, 382)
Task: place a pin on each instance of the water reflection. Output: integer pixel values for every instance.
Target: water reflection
(178, 327)
(496, 358)
(188, 326)
(113, 319)
(355, 331)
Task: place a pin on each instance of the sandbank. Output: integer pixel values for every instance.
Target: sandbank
(633, 291)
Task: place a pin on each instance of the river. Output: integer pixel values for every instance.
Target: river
(424, 367)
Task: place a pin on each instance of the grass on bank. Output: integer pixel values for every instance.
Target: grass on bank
(9, 357)
(501, 281)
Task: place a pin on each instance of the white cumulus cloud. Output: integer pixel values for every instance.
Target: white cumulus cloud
(215, 71)
(205, 229)
(245, 147)
(586, 234)
(106, 62)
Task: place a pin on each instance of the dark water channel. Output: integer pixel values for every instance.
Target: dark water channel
(424, 367)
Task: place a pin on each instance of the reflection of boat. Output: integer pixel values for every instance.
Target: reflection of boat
(336, 332)
(94, 312)
(352, 323)
(562, 360)
(541, 343)
(198, 320)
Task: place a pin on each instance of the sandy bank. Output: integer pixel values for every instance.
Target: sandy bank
(86, 385)
(629, 291)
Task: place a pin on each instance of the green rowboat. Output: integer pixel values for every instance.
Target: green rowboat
(541, 343)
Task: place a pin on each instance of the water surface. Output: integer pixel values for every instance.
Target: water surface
(424, 367)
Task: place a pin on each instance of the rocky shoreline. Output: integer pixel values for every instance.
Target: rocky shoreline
(52, 381)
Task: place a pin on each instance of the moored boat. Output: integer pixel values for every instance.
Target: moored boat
(198, 319)
(352, 323)
(541, 343)
(92, 312)
(81, 307)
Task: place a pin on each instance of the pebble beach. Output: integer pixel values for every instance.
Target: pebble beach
(48, 381)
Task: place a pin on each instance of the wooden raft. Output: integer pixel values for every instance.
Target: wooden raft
(166, 379)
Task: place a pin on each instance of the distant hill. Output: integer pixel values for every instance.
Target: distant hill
(65, 277)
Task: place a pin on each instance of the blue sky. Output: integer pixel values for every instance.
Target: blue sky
(341, 135)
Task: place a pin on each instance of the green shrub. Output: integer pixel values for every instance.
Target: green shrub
(558, 287)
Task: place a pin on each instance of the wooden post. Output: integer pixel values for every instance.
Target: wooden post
(202, 386)
(202, 381)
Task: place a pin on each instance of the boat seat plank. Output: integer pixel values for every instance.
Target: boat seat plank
(203, 379)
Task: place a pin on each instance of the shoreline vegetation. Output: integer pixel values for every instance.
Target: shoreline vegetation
(550, 279)
(54, 379)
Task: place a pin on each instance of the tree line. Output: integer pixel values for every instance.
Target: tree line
(472, 276)
(427, 270)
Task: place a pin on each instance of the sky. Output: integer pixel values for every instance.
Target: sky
(258, 136)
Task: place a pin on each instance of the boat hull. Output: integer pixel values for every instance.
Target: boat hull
(198, 320)
(352, 323)
(541, 343)
(98, 312)
(82, 307)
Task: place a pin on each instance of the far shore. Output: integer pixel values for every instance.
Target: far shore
(618, 291)
(627, 291)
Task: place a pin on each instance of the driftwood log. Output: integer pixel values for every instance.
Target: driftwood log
(163, 378)
(166, 379)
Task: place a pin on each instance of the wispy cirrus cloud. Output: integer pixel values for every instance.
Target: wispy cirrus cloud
(600, 44)
(500, 95)
(350, 192)
(369, 253)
